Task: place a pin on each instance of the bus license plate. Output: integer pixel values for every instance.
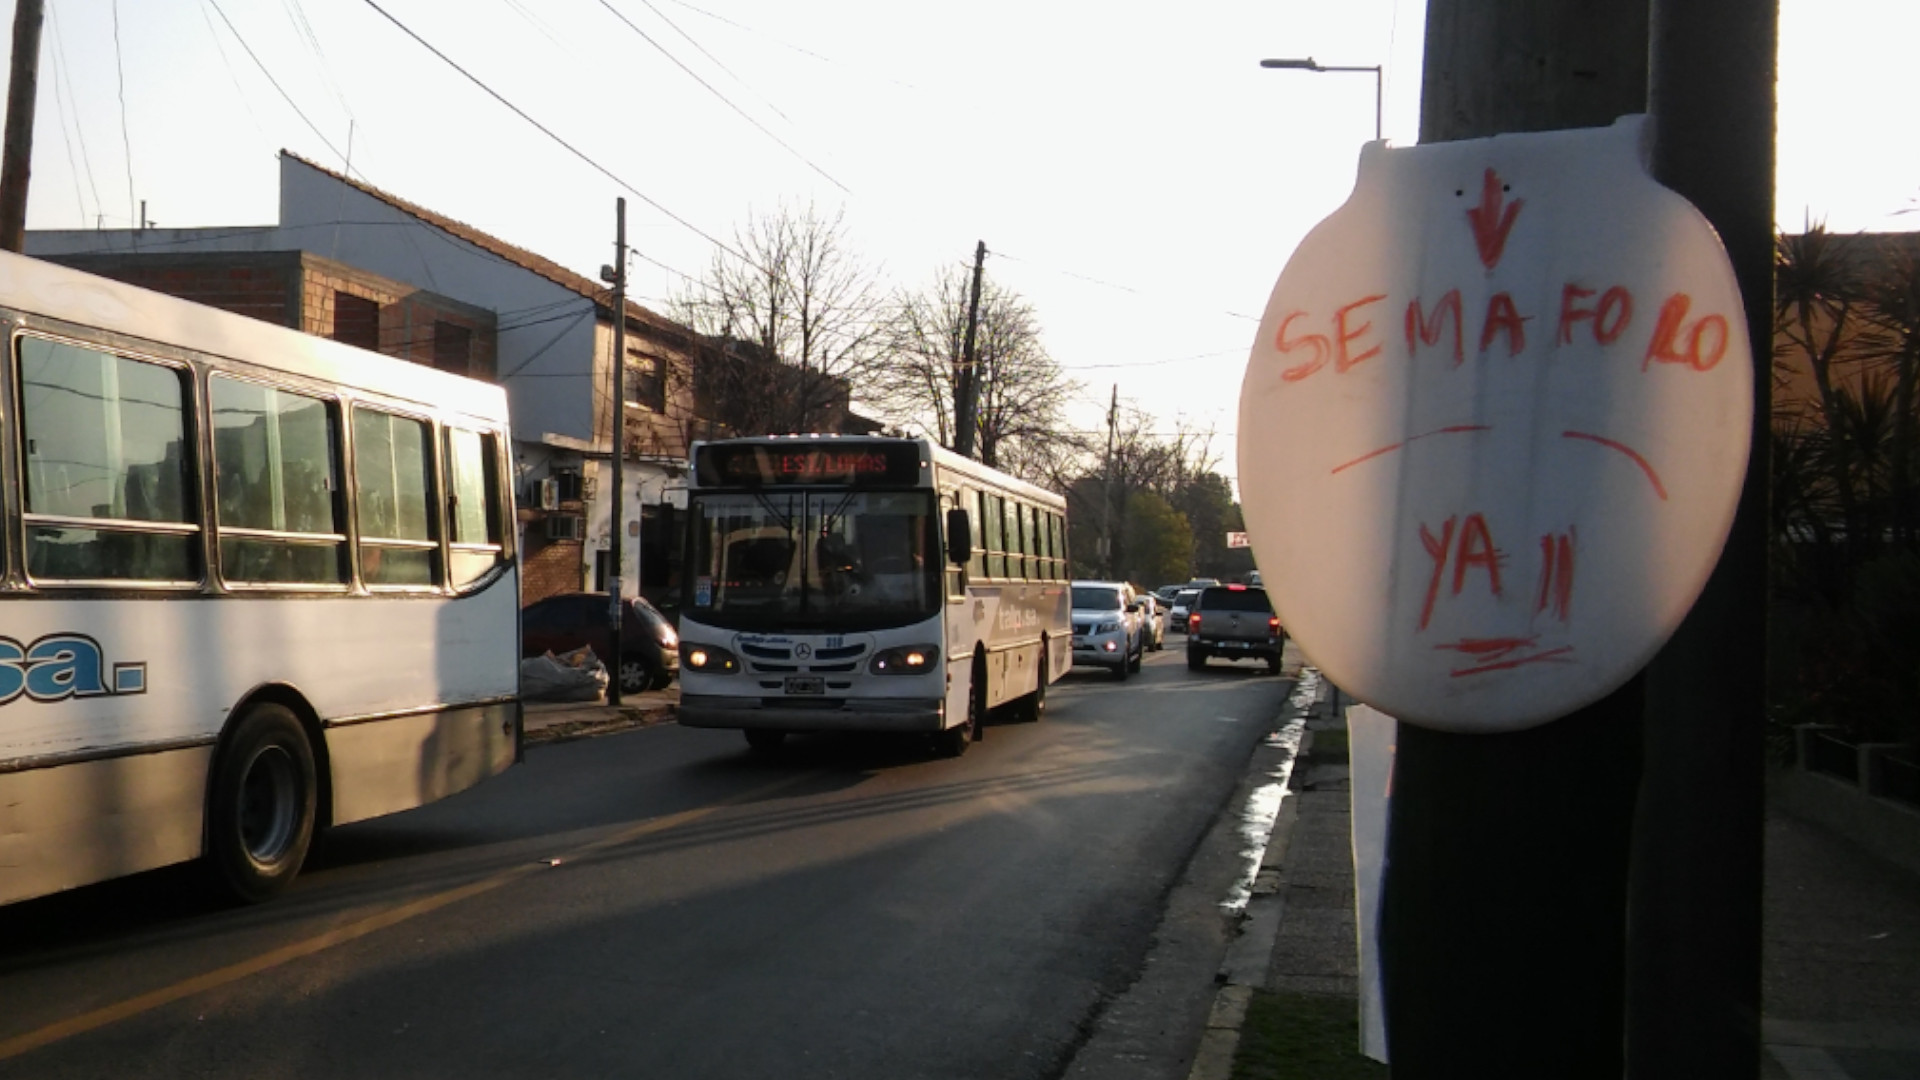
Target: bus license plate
(806, 684)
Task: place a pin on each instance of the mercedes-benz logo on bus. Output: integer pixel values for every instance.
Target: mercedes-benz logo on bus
(802, 651)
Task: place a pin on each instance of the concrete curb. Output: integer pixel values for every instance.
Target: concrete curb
(589, 721)
(1244, 968)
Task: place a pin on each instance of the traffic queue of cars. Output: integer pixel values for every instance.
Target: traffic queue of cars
(1114, 626)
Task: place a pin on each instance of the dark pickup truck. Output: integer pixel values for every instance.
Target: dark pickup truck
(1234, 621)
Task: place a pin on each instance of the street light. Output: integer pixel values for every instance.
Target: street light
(1309, 64)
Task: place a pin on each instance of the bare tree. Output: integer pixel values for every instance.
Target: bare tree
(796, 318)
(1022, 392)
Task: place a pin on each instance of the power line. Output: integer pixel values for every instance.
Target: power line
(762, 128)
(284, 96)
(662, 16)
(232, 75)
(64, 76)
(1155, 363)
(564, 144)
(1105, 283)
(126, 139)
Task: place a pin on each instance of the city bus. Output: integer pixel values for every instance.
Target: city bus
(255, 584)
(836, 583)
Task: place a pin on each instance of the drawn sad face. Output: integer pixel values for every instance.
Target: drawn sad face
(1495, 425)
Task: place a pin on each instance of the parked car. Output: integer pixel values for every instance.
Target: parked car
(1234, 621)
(1155, 615)
(1108, 627)
(1166, 593)
(1182, 607)
(650, 653)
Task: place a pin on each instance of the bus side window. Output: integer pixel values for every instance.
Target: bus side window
(1057, 526)
(276, 468)
(1040, 519)
(993, 516)
(473, 505)
(1010, 515)
(976, 560)
(393, 481)
(106, 463)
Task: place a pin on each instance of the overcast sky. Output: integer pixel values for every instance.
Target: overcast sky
(1132, 171)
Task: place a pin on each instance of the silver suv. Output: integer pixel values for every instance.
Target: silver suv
(1108, 627)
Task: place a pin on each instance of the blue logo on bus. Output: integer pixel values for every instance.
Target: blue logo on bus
(64, 665)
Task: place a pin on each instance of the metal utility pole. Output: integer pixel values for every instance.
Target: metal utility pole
(16, 160)
(615, 589)
(1693, 902)
(966, 388)
(1503, 916)
(1106, 486)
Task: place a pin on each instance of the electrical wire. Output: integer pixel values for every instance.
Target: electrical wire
(66, 139)
(564, 144)
(126, 138)
(1104, 283)
(662, 16)
(232, 75)
(284, 96)
(758, 126)
(65, 76)
(1155, 363)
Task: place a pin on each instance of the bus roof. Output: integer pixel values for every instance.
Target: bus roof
(34, 287)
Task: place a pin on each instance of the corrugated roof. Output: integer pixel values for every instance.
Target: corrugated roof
(519, 256)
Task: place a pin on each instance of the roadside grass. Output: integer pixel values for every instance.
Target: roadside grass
(1302, 1037)
(1330, 745)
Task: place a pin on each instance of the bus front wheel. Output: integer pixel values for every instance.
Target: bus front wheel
(261, 806)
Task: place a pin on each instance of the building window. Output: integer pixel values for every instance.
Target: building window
(356, 321)
(452, 347)
(646, 381)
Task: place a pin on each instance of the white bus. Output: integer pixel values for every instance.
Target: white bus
(837, 583)
(253, 583)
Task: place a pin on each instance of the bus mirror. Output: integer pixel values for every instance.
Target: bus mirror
(959, 537)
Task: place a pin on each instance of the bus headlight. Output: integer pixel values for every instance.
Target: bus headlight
(708, 659)
(905, 660)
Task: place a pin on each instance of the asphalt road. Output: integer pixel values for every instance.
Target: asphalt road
(659, 903)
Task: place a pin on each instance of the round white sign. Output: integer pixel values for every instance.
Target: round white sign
(1495, 425)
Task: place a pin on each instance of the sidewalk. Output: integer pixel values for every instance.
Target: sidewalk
(1840, 948)
(561, 721)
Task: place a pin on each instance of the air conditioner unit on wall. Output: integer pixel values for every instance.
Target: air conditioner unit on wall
(543, 494)
(564, 527)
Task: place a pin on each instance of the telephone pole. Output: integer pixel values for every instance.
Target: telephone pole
(16, 159)
(966, 388)
(1503, 914)
(615, 590)
(1106, 487)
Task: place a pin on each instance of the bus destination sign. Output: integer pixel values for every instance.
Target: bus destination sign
(763, 465)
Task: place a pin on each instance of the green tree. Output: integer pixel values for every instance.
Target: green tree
(1159, 543)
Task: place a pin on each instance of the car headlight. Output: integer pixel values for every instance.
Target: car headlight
(668, 639)
(905, 660)
(708, 659)
(1107, 628)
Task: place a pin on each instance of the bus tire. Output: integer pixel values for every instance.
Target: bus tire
(1033, 708)
(953, 742)
(261, 805)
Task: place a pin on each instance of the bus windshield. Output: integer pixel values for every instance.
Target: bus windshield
(835, 559)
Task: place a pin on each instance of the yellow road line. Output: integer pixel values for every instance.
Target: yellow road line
(167, 995)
